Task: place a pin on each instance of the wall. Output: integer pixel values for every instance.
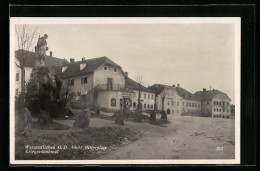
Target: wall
(148, 99)
(17, 70)
(104, 99)
(78, 87)
(27, 71)
(101, 75)
(206, 108)
(173, 103)
(223, 110)
(191, 107)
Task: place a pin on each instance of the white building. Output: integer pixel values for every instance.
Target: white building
(177, 100)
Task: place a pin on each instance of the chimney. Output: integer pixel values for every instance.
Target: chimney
(72, 60)
(50, 53)
(178, 85)
(204, 89)
(126, 73)
(83, 59)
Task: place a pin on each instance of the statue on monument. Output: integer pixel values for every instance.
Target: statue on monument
(41, 49)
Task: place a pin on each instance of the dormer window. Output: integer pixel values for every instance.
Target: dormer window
(64, 68)
(115, 70)
(82, 66)
(105, 68)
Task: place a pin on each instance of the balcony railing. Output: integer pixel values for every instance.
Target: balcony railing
(110, 87)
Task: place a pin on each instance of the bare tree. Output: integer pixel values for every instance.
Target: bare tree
(92, 97)
(163, 94)
(25, 36)
(139, 79)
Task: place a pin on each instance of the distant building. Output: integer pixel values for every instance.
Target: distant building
(214, 103)
(28, 58)
(147, 95)
(177, 100)
(232, 113)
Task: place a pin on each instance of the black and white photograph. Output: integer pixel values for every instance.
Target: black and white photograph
(154, 90)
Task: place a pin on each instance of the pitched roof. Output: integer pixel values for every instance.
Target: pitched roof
(158, 88)
(185, 94)
(73, 69)
(209, 94)
(30, 57)
(135, 85)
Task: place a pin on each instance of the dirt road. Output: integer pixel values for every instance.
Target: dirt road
(183, 138)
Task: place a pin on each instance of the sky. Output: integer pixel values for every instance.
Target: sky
(196, 56)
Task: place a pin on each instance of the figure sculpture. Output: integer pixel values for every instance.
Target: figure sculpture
(41, 49)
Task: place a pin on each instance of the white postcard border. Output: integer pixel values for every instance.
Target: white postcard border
(128, 20)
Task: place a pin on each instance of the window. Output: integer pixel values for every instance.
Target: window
(217, 109)
(151, 96)
(214, 110)
(220, 110)
(84, 80)
(71, 82)
(152, 106)
(144, 105)
(17, 76)
(182, 103)
(115, 70)
(172, 103)
(144, 96)
(168, 102)
(177, 103)
(134, 104)
(148, 96)
(148, 106)
(189, 104)
(192, 104)
(105, 68)
(198, 105)
(195, 104)
(16, 91)
(113, 102)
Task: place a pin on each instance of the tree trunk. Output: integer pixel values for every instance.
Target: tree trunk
(140, 117)
(164, 115)
(153, 115)
(22, 79)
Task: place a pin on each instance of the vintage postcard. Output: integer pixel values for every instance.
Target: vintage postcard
(124, 90)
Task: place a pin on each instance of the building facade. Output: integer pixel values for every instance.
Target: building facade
(214, 103)
(177, 100)
(147, 96)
